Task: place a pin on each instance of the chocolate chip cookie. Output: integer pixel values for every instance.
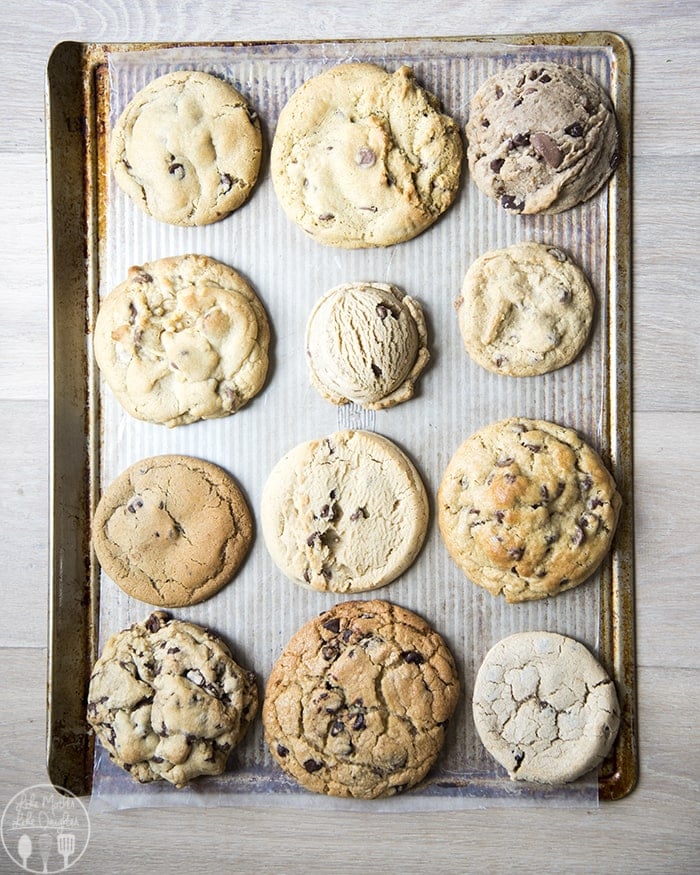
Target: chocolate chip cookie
(187, 148)
(366, 343)
(168, 701)
(544, 707)
(358, 702)
(542, 137)
(526, 508)
(182, 339)
(362, 157)
(344, 513)
(525, 310)
(172, 530)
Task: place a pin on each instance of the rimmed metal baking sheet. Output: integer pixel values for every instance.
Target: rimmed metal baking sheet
(96, 234)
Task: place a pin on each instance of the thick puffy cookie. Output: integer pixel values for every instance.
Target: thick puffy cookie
(172, 530)
(526, 508)
(187, 148)
(542, 137)
(168, 701)
(358, 702)
(366, 343)
(525, 310)
(345, 513)
(182, 339)
(544, 707)
(363, 157)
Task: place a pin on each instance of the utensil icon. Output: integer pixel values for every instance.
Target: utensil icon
(66, 846)
(45, 842)
(24, 849)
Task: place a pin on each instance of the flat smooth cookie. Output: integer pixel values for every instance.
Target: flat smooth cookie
(172, 530)
(525, 310)
(182, 339)
(526, 508)
(366, 343)
(544, 707)
(363, 157)
(168, 701)
(345, 513)
(542, 137)
(187, 148)
(358, 702)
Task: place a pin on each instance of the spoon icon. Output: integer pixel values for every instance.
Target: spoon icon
(24, 849)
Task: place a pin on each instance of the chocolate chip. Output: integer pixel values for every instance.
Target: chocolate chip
(177, 170)
(545, 78)
(358, 514)
(282, 750)
(544, 492)
(134, 504)
(141, 277)
(226, 182)
(326, 217)
(578, 536)
(313, 538)
(359, 722)
(153, 623)
(329, 653)
(499, 514)
(384, 310)
(510, 202)
(614, 160)
(327, 512)
(327, 573)
(546, 146)
(365, 157)
(520, 139)
(516, 553)
(534, 448)
(485, 123)
(312, 766)
(496, 164)
(413, 657)
(517, 102)
(337, 727)
(499, 92)
(519, 757)
(574, 130)
(376, 370)
(333, 625)
(503, 463)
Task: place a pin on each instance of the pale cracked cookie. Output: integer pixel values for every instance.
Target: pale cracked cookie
(344, 513)
(544, 707)
(542, 137)
(358, 702)
(527, 509)
(168, 701)
(525, 310)
(187, 148)
(182, 339)
(366, 343)
(172, 530)
(362, 157)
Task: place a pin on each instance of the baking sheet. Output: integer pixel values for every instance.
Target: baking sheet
(260, 609)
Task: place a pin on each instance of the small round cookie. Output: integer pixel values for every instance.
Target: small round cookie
(525, 310)
(345, 513)
(172, 530)
(168, 701)
(182, 339)
(542, 137)
(544, 707)
(358, 702)
(526, 508)
(187, 148)
(362, 157)
(366, 343)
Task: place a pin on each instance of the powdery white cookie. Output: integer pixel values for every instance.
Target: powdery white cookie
(544, 707)
(345, 513)
(525, 310)
(172, 530)
(187, 148)
(366, 343)
(358, 702)
(168, 701)
(182, 339)
(542, 137)
(526, 508)
(363, 157)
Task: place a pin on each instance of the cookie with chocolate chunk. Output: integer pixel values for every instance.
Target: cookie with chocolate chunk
(168, 701)
(172, 530)
(358, 702)
(527, 509)
(542, 137)
(187, 148)
(362, 157)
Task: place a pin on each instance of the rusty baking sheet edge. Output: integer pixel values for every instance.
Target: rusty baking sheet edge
(74, 96)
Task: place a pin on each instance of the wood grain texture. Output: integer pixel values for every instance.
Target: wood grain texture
(654, 830)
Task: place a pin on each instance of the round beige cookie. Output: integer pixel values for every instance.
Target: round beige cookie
(345, 513)
(187, 148)
(363, 157)
(358, 702)
(182, 339)
(544, 707)
(366, 343)
(542, 137)
(172, 530)
(525, 310)
(526, 508)
(168, 701)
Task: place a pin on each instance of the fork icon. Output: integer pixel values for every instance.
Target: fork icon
(66, 846)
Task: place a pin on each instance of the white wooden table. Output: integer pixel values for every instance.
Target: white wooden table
(656, 828)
